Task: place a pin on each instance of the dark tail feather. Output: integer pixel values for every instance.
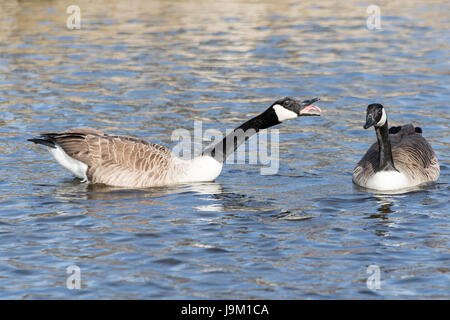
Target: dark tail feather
(394, 130)
(45, 142)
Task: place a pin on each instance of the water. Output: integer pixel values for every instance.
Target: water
(146, 69)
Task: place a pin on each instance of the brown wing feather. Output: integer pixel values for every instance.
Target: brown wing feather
(74, 142)
(114, 159)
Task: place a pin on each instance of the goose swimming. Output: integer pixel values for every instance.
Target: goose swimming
(125, 161)
(401, 157)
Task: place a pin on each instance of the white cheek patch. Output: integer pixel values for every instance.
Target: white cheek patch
(284, 114)
(382, 120)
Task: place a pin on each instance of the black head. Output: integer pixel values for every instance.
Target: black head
(375, 115)
(289, 108)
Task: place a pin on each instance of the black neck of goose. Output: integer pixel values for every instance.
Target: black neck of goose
(384, 149)
(241, 134)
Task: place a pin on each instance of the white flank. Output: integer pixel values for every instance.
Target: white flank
(78, 168)
(284, 114)
(388, 180)
(204, 168)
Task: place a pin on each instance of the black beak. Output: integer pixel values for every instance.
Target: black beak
(306, 103)
(369, 121)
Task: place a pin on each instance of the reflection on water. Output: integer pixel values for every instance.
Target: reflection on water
(385, 208)
(146, 68)
(418, 188)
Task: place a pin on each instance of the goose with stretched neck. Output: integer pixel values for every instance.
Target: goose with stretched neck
(280, 111)
(401, 158)
(125, 161)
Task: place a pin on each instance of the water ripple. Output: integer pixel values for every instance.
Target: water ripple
(151, 67)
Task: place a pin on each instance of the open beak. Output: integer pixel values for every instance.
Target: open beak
(369, 121)
(310, 111)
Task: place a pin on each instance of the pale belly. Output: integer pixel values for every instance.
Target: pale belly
(388, 180)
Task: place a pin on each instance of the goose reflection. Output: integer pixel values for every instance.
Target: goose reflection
(214, 197)
(152, 198)
(105, 192)
(385, 207)
(132, 200)
(425, 186)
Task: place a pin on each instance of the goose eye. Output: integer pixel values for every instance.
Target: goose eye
(287, 103)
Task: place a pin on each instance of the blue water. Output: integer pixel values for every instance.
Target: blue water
(145, 69)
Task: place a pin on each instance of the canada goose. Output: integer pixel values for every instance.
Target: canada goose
(400, 158)
(125, 161)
